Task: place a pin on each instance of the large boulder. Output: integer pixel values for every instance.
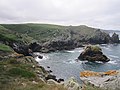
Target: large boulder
(93, 53)
(115, 38)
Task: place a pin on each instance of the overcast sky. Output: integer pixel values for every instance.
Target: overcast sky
(97, 13)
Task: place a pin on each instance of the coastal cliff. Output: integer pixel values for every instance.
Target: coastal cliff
(50, 38)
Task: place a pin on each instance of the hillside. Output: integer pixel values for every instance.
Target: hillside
(53, 37)
(47, 32)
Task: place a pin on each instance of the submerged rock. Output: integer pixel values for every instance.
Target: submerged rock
(93, 53)
(109, 80)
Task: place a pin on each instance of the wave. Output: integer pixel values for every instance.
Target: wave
(71, 51)
(38, 59)
(74, 51)
(107, 48)
(113, 56)
(112, 62)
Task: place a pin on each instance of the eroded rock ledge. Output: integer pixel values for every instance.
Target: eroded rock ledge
(109, 80)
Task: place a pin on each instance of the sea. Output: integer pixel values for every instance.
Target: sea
(64, 64)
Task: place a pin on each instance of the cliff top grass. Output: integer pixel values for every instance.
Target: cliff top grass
(5, 48)
(47, 32)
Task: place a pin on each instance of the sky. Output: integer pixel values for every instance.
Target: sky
(103, 14)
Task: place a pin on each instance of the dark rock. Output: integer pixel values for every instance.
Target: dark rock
(22, 49)
(60, 80)
(99, 37)
(48, 66)
(35, 47)
(93, 53)
(115, 38)
(51, 77)
(55, 45)
(40, 57)
(50, 71)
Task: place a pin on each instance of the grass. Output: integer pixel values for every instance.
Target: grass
(5, 48)
(47, 32)
(21, 72)
(18, 74)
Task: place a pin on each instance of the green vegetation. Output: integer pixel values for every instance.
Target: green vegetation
(19, 74)
(48, 32)
(5, 48)
(94, 48)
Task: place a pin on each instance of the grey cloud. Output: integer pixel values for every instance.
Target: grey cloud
(97, 13)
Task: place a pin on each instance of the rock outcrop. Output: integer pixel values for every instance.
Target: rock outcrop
(72, 84)
(115, 38)
(93, 53)
(109, 80)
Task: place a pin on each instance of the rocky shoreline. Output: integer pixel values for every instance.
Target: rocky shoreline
(109, 80)
(20, 70)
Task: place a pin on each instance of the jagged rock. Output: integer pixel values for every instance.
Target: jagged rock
(40, 57)
(54, 45)
(115, 38)
(48, 66)
(72, 84)
(60, 80)
(93, 53)
(99, 37)
(109, 80)
(21, 49)
(51, 77)
(35, 47)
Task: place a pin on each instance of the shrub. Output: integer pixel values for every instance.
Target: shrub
(5, 48)
(21, 72)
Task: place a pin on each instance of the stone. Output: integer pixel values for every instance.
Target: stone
(48, 66)
(115, 38)
(93, 53)
(40, 57)
(72, 84)
(51, 81)
(60, 80)
(35, 47)
(51, 77)
(109, 80)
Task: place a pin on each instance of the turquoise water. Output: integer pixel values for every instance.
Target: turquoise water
(64, 63)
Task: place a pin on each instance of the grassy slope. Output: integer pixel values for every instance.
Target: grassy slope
(19, 74)
(46, 32)
(5, 48)
(11, 36)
